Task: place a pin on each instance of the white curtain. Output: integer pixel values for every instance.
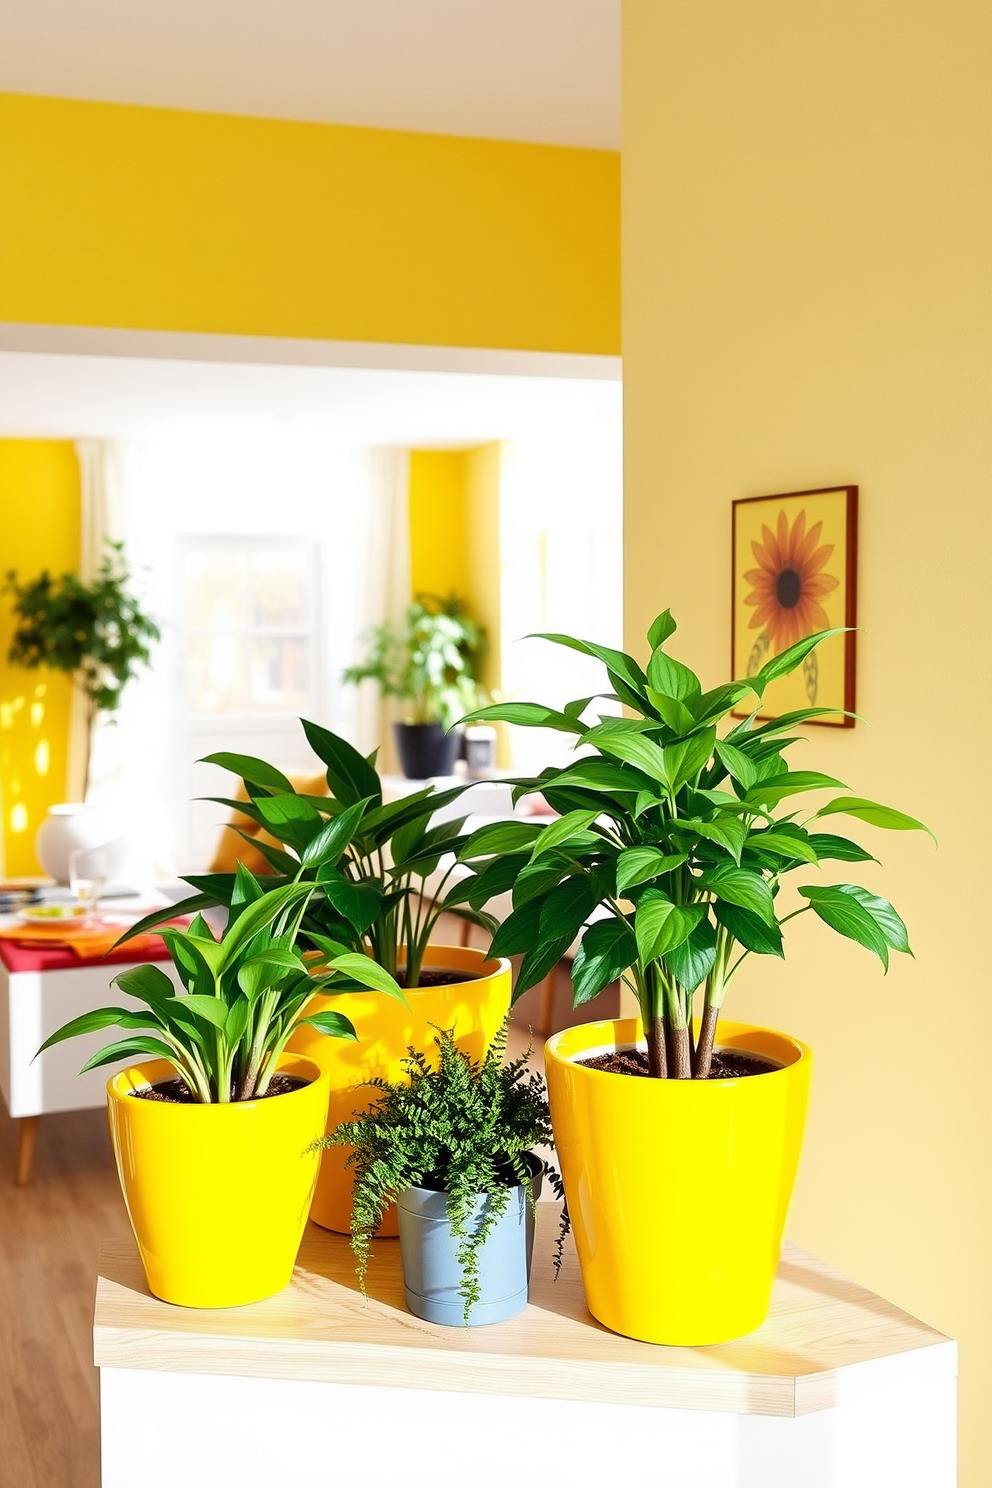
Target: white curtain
(384, 593)
(101, 521)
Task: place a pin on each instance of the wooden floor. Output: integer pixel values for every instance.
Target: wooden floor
(50, 1237)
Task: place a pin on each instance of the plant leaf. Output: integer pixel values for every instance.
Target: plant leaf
(738, 766)
(873, 813)
(753, 933)
(335, 1025)
(660, 925)
(331, 842)
(350, 776)
(125, 1048)
(692, 961)
(790, 783)
(369, 973)
(842, 912)
(841, 849)
(637, 864)
(251, 770)
(527, 715)
(885, 916)
(670, 677)
(608, 948)
(742, 887)
(792, 657)
(213, 1009)
(560, 831)
(538, 962)
(661, 628)
(566, 909)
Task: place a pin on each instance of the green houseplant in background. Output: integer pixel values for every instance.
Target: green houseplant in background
(430, 663)
(678, 828)
(452, 1144)
(96, 633)
(212, 1137)
(370, 861)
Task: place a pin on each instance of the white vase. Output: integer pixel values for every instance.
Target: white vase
(72, 825)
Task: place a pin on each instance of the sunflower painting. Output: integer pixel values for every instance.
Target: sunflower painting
(795, 572)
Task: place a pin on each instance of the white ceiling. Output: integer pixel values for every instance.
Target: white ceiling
(46, 396)
(541, 70)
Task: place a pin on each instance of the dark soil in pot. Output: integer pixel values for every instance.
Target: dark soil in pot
(175, 1092)
(728, 1064)
(437, 976)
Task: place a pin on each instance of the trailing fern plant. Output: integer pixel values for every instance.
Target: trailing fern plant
(463, 1128)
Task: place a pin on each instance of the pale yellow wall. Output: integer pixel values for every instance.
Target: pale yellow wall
(39, 528)
(438, 522)
(808, 301)
(172, 220)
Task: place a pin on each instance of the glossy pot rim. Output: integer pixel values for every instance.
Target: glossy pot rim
(628, 1033)
(137, 1076)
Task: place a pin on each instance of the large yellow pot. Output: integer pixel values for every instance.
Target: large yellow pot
(217, 1195)
(677, 1189)
(386, 1029)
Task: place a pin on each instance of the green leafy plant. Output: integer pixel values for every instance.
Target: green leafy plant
(430, 661)
(464, 1128)
(369, 859)
(671, 830)
(97, 633)
(243, 995)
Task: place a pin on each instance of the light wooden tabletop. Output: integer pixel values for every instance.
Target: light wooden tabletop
(321, 1328)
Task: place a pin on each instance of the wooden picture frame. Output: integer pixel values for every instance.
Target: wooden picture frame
(795, 571)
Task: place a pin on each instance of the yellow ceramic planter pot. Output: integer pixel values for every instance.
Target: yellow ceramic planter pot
(217, 1195)
(677, 1189)
(386, 1029)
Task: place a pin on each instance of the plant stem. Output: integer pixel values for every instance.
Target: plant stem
(707, 1034)
(653, 1017)
(678, 1031)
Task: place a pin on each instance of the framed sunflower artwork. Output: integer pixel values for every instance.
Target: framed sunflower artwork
(795, 572)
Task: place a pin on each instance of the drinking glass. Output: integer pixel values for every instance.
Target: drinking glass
(87, 876)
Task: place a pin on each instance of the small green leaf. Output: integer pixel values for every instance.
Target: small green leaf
(691, 962)
(500, 837)
(359, 901)
(335, 1025)
(729, 834)
(330, 843)
(561, 830)
(147, 982)
(737, 764)
(538, 962)
(527, 715)
(661, 628)
(683, 760)
(660, 925)
(844, 914)
(874, 814)
(670, 677)
(841, 849)
(608, 948)
(253, 771)
(638, 864)
(784, 845)
(674, 713)
(349, 775)
(790, 783)
(92, 1022)
(885, 916)
(368, 973)
(565, 910)
(127, 1048)
(753, 933)
(742, 887)
(213, 1009)
(792, 657)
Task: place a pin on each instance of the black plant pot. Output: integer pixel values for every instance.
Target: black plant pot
(425, 749)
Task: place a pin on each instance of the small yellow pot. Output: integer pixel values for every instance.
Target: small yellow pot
(386, 1030)
(217, 1195)
(677, 1189)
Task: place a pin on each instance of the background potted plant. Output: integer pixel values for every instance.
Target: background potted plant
(430, 663)
(372, 861)
(96, 633)
(214, 1137)
(452, 1144)
(673, 836)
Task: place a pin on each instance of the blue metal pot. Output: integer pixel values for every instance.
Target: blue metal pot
(431, 1272)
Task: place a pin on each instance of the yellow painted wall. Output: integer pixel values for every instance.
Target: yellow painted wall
(438, 522)
(39, 528)
(807, 301)
(172, 220)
